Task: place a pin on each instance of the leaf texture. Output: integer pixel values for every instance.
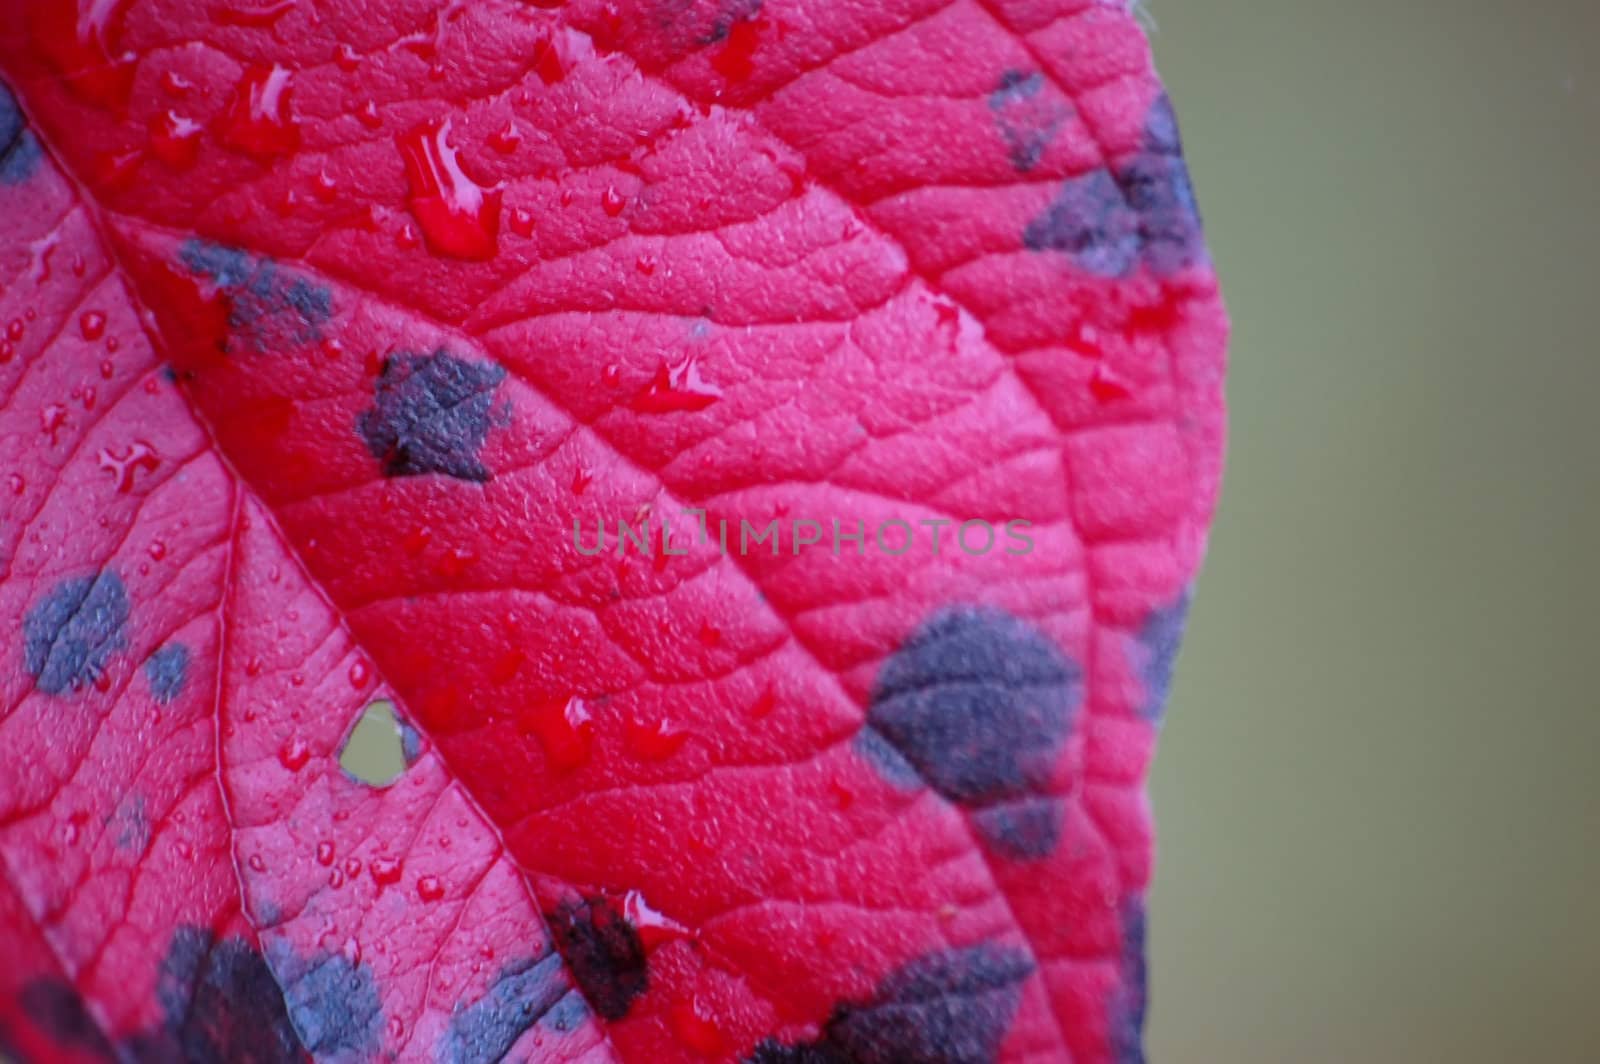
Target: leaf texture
(335, 334)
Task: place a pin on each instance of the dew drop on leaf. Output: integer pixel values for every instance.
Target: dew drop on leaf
(294, 754)
(260, 121)
(677, 389)
(563, 729)
(459, 217)
(655, 741)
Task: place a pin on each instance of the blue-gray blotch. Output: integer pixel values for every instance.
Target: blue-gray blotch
(1027, 115)
(219, 1004)
(332, 1004)
(19, 151)
(1129, 998)
(70, 635)
(166, 670)
(953, 1006)
(59, 1010)
(1158, 643)
(432, 414)
(1110, 220)
(484, 1031)
(978, 704)
(269, 307)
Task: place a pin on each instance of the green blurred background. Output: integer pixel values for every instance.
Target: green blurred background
(1379, 788)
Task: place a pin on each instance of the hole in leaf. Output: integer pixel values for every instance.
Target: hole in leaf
(376, 753)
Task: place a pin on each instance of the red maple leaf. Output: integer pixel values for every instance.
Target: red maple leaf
(760, 450)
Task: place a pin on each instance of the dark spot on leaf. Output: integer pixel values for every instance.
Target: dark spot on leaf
(1023, 828)
(19, 151)
(131, 824)
(485, 1031)
(220, 1005)
(979, 703)
(953, 1006)
(332, 1003)
(1028, 117)
(166, 670)
(269, 307)
(71, 633)
(60, 1012)
(603, 951)
(1159, 640)
(431, 414)
(1109, 221)
(1128, 1000)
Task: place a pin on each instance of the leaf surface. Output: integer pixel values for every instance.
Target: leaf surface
(337, 333)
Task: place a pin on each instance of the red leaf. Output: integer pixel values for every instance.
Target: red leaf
(879, 343)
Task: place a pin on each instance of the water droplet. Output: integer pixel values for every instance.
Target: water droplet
(157, 550)
(294, 754)
(654, 928)
(92, 323)
(407, 239)
(736, 60)
(506, 139)
(655, 741)
(323, 186)
(612, 201)
(611, 375)
(646, 264)
(416, 541)
(175, 84)
(175, 140)
(695, 1030)
(260, 121)
(385, 870)
(459, 217)
(429, 888)
(122, 467)
(252, 667)
(368, 115)
(52, 419)
(257, 863)
(325, 854)
(397, 1028)
(336, 879)
(676, 389)
(352, 867)
(107, 369)
(252, 17)
(17, 484)
(7, 349)
(83, 41)
(764, 704)
(563, 729)
(360, 673)
(522, 221)
(15, 329)
(548, 59)
(115, 169)
(453, 562)
(581, 478)
(1106, 387)
(347, 58)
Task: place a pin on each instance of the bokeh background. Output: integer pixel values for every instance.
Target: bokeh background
(1378, 792)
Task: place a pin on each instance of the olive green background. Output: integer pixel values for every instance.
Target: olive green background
(1377, 793)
